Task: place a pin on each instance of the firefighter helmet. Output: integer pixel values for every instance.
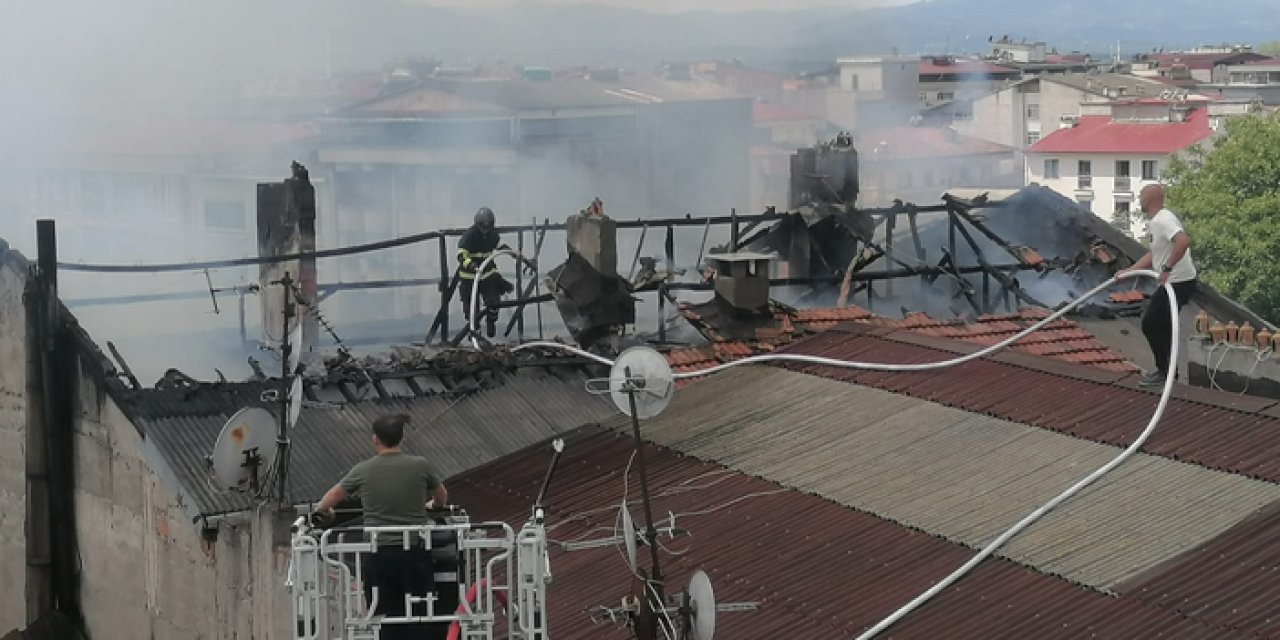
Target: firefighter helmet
(484, 218)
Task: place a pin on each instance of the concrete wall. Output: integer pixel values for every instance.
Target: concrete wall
(147, 570)
(13, 380)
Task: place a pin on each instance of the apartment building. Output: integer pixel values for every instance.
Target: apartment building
(944, 78)
(1022, 113)
(1106, 155)
(537, 145)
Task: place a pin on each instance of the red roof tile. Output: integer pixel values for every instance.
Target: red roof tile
(1099, 134)
(1057, 338)
(818, 570)
(1200, 426)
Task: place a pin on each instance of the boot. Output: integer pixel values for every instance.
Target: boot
(491, 327)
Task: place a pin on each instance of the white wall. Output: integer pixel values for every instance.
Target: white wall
(1103, 195)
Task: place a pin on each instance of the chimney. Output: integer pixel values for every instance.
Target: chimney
(287, 225)
(742, 279)
(594, 236)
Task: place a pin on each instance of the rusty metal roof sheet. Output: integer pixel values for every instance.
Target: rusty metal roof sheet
(455, 434)
(1210, 428)
(1231, 582)
(961, 475)
(818, 569)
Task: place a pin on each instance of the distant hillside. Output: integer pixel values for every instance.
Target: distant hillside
(957, 26)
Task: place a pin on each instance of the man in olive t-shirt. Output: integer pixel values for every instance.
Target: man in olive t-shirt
(394, 488)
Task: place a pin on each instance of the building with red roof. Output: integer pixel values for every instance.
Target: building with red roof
(1104, 157)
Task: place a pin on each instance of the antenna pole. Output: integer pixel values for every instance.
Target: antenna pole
(650, 533)
(286, 352)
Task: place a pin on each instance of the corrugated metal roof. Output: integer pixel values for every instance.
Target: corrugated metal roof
(818, 569)
(454, 434)
(1233, 581)
(1213, 429)
(964, 476)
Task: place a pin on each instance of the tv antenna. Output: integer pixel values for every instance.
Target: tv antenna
(243, 450)
(695, 609)
(641, 384)
(290, 398)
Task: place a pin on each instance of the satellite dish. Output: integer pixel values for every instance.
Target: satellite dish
(295, 401)
(245, 448)
(646, 371)
(702, 600)
(629, 536)
(295, 347)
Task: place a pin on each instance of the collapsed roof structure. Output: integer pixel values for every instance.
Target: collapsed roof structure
(827, 496)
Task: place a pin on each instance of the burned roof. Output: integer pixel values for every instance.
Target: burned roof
(733, 337)
(818, 569)
(483, 413)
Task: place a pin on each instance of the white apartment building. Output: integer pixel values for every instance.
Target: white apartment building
(1105, 157)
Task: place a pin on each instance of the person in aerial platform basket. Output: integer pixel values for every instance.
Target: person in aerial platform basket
(476, 244)
(395, 489)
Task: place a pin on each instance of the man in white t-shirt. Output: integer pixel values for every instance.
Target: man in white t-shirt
(1170, 255)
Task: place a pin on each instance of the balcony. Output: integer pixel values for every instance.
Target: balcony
(1084, 183)
(1122, 184)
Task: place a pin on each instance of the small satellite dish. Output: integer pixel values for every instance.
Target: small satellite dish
(295, 401)
(245, 448)
(629, 535)
(646, 371)
(702, 600)
(295, 347)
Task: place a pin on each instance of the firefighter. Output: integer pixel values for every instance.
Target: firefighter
(476, 244)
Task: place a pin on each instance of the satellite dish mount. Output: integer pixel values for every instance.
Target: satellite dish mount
(641, 383)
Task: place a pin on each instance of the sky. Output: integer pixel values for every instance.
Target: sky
(674, 6)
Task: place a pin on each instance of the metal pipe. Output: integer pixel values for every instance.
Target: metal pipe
(446, 290)
(59, 398)
(40, 581)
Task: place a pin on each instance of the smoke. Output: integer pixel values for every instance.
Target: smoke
(142, 126)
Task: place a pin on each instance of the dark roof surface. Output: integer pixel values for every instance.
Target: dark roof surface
(1214, 429)
(455, 433)
(819, 570)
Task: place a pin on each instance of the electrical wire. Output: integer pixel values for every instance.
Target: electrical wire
(1165, 394)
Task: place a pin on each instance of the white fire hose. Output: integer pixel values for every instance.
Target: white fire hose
(942, 364)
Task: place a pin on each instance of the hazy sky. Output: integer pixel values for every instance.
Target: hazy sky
(684, 5)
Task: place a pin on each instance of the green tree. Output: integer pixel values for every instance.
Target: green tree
(1227, 192)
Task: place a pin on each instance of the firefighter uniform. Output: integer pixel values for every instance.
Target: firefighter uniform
(476, 245)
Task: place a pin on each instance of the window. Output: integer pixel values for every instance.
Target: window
(943, 96)
(1032, 138)
(1149, 170)
(1122, 175)
(1033, 112)
(1051, 168)
(1086, 203)
(1084, 173)
(225, 215)
(1122, 206)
